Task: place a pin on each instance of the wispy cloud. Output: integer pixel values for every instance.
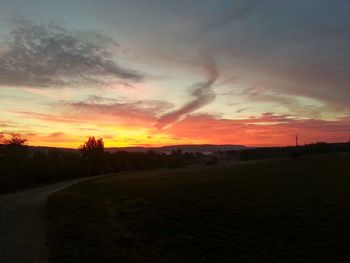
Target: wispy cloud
(47, 55)
(202, 93)
(128, 112)
(98, 110)
(8, 124)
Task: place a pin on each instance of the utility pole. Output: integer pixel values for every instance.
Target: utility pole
(296, 140)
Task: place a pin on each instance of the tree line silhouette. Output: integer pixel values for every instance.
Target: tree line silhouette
(22, 166)
(293, 152)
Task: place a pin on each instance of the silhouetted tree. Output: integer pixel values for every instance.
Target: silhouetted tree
(16, 139)
(92, 152)
(92, 146)
(14, 155)
(14, 143)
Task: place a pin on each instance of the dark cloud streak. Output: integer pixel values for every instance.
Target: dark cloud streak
(47, 55)
(202, 92)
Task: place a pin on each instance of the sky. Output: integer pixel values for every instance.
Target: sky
(161, 72)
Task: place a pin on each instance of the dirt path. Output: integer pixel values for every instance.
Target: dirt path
(22, 223)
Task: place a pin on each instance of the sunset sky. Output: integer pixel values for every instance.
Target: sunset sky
(161, 72)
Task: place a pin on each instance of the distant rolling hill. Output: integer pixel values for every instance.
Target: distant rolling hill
(204, 148)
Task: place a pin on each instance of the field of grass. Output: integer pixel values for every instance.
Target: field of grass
(271, 211)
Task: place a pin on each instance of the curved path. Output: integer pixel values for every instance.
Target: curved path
(22, 223)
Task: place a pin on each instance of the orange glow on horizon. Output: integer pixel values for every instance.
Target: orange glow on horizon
(253, 136)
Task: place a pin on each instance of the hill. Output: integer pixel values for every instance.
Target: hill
(204, 148)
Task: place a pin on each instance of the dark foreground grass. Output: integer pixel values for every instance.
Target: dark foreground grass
(274, 211)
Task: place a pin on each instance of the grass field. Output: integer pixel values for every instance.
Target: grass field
(272, 211)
